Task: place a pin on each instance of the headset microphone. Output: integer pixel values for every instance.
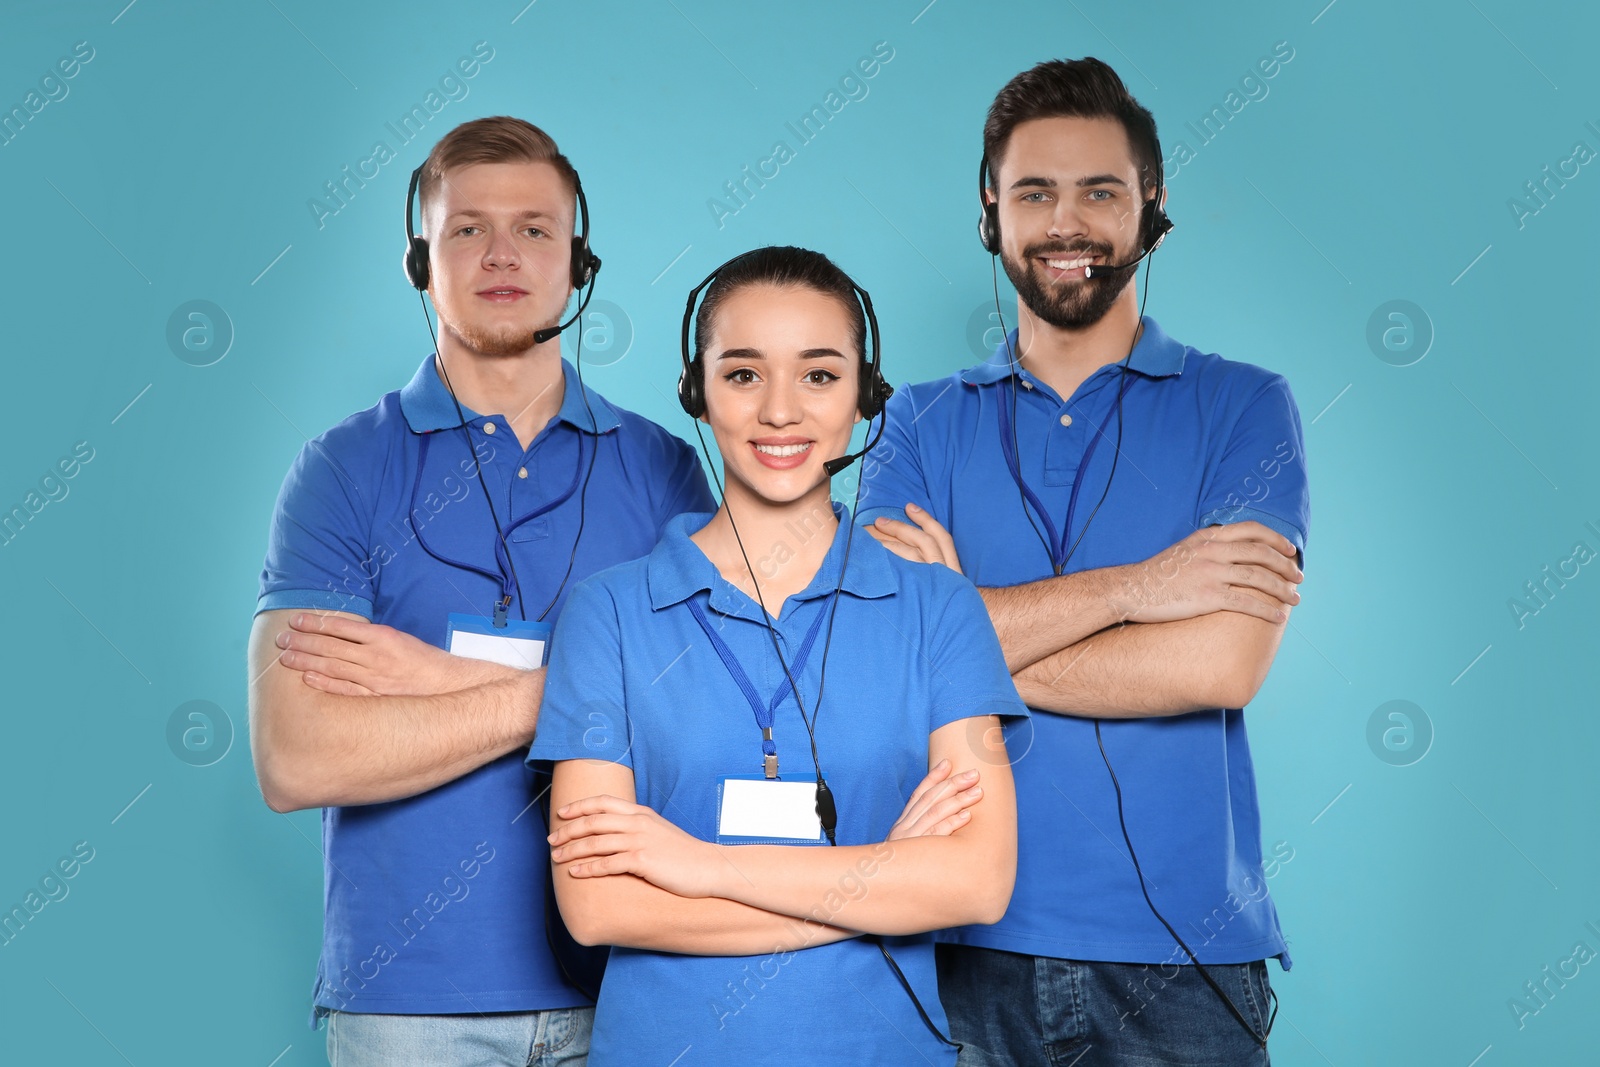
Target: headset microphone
(834, 466)
(1154, 225)
(541, 336)
(584, 265)
(1106, 270)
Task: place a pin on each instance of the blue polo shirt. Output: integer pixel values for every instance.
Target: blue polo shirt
(636, 679)
(436, 904)
(1208, 441)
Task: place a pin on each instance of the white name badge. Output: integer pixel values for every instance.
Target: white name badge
(524, 645)
(757, 810)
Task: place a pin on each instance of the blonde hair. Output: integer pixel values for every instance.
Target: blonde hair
(497, 139)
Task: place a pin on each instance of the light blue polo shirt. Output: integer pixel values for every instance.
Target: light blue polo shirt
(635, 679)
(436, 904)
(1207, 441)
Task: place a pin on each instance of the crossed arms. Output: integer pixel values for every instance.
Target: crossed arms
(1195, 626)
(344, 711)
(627, 876)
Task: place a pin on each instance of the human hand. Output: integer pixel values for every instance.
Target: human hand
(353, 657)
(1210, 570)
(925, 542)
(938, 806)
(605, 835)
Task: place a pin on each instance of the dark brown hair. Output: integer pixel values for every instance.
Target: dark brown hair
(1078, 88)
(788, 267)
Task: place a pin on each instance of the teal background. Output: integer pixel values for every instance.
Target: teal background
(1420, 897)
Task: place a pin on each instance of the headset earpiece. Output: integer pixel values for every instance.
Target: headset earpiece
(415, 260)
(416, 263)
(692, 389)
(1156, 225)
(873, 393)
(989, 219)
(585, 264)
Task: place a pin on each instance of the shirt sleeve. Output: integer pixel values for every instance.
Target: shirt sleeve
(1261, 476)
(583, 713)
(317, 556)
(687, 489)
(891, 472)
(969, 670)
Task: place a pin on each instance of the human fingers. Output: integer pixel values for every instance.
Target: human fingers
(600, 844)
(597, 805)
(337, 686)
(947, 813)
(1271, 610)
(895, 545)
(936, 774)
(1265, 581)
(589, 825)
(342, 669)
(345, 629)
(1252, 531)
(923, 542)
(319, 645)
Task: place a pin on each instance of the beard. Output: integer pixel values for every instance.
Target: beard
(1066, 305)
(509, 339)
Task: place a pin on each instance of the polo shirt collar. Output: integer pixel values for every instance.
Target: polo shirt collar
(427, 405)
(1155, 356)
(677, 569)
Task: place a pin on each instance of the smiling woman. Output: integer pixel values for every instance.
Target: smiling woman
(687, 835)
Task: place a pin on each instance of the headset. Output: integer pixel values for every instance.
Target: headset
(874, 392)
(581, 967)
(585, 264)
(1154, 225)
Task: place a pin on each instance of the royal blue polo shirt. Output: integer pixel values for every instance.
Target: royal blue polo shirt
(436, 904)
(1207, 441)
(636, 679)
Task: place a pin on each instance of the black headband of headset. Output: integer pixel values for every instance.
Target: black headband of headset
(694, 296)
(585, 264)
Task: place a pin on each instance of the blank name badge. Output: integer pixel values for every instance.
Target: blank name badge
(767, 811)
(524, 645)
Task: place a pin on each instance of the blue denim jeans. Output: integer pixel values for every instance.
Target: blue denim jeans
(504, 1039)
(1010, 1010)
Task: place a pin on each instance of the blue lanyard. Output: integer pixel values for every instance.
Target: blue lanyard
(1056, 544)
(764, 711)
(502, 572)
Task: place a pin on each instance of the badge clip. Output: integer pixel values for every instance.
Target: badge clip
(500, 607)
